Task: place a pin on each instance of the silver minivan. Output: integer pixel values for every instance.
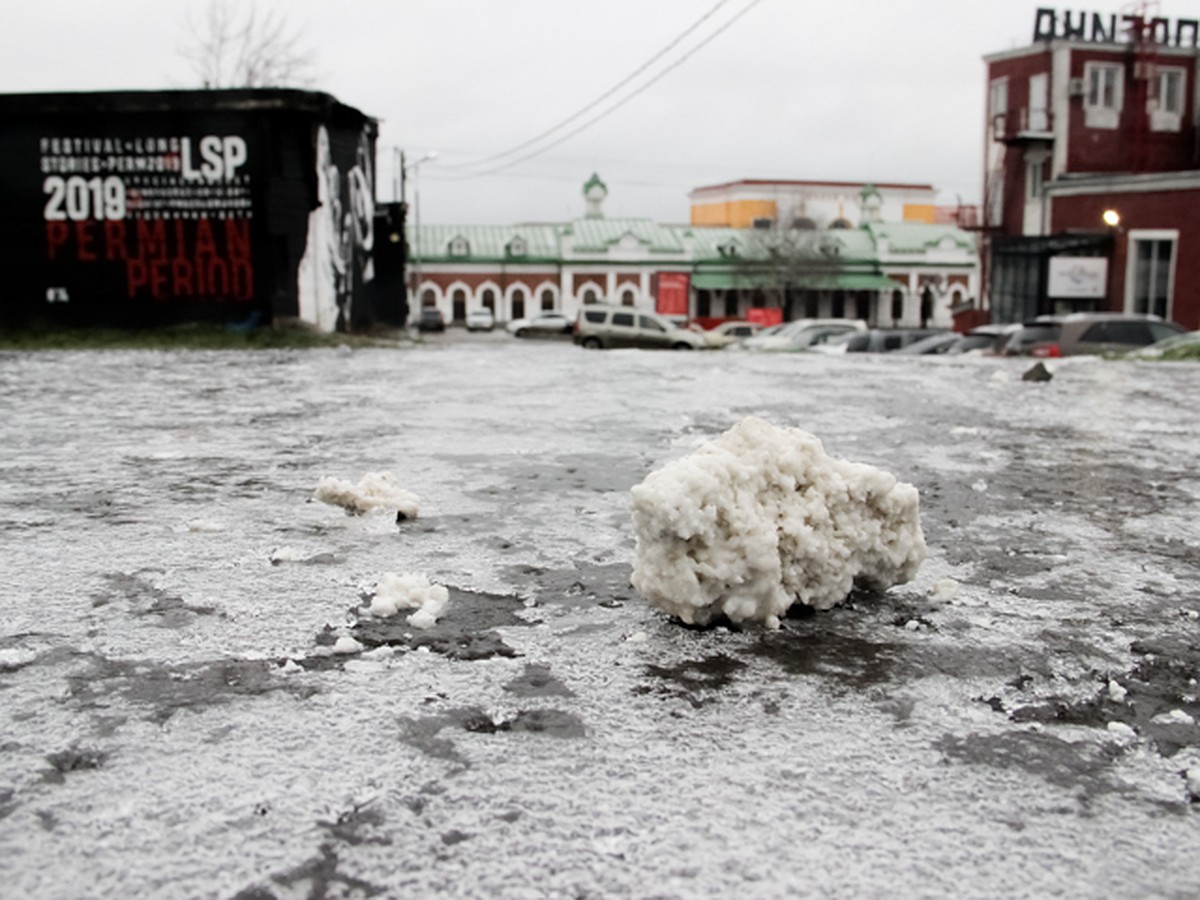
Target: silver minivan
(624, 326)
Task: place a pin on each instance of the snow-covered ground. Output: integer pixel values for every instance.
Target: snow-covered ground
(185, 710)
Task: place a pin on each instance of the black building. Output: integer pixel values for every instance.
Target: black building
(150, 207)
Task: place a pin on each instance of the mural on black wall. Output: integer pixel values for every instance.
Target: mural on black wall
(168, 215)
(338, 262)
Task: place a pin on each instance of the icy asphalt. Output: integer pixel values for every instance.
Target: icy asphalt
(1018, 721)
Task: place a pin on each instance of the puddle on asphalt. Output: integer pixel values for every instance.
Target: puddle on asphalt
(163, 690)
(1160, 700)
(426, 733)
(1067, 764)
(464, 631)
(146, 600)
(537, 681)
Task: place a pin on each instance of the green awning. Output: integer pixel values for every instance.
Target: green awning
(748, 281)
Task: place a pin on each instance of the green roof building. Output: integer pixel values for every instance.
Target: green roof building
(903, 273)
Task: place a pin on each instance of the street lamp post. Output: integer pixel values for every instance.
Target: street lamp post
(415, 246)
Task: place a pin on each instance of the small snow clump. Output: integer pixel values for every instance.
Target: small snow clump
(395, 592)
(375, 490)
(761, 518)
(346, 645)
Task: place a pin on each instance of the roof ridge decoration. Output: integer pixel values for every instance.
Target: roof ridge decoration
(594, 191)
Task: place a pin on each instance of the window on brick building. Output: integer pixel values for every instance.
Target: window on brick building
(547, 300)
(1035, 179)
(1153, 262)
(1166, 103)
(998, 106)
(1104, 94)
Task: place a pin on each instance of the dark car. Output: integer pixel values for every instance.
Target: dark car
(1037, 337)
(1112, 333)
(1087, 333)
(430, 319)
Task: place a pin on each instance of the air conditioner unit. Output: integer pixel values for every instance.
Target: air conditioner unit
(1075, 87)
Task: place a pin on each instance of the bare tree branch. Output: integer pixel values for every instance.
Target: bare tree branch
(244, 47)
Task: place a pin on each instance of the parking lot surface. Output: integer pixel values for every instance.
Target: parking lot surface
(1019, 720)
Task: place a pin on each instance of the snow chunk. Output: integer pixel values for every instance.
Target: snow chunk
(1193, 782)
(409, 591)
(376, 490)
(1174, 717)
(944, 591)
(760, 518)
(1122, 733)
(346, 646)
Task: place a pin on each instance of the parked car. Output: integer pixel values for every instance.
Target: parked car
(480, 319)
(986, 339)
(801, 334)
(430, 319)
(942, 343)
(728, 332)
(623, 326)
(1032, 338)
(544, 323)
(885, 340)
(1178, 346)
(1087, 333)
(1111, 333)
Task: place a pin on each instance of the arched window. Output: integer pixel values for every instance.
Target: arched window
(897, 306)
(547, 300)
(627, 297)
(926, 306)
(590, 295)
(428, 297)
(518, 304)
(488, 299)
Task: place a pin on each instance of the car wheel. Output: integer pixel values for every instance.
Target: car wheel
(520, 332)
(681, 346)
(591, 343)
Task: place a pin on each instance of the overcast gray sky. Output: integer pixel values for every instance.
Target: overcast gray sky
(855, 90)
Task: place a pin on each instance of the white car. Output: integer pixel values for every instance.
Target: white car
(480, 319)
(801, 334)
(542, 323)
(728, 332)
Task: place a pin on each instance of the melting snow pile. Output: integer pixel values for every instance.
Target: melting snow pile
(409, 591)
(761, 518)
(376, 490)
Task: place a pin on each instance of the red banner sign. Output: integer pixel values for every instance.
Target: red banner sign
(673, 293)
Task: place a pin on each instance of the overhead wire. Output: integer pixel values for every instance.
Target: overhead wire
(614, 107)
(594, 103)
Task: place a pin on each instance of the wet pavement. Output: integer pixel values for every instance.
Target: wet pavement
(1020, 720)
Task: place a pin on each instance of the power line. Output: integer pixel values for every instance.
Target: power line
(616, 87)
(640, 90)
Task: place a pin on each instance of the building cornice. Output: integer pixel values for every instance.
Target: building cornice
(1124, 183)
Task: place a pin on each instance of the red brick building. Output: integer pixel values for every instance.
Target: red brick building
(1092, 168)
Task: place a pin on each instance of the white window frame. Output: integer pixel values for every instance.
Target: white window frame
(1098, 113)
(998, 106)
(1039, 102)
(1035, 178)
(1134, 236)
(1165, 116)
